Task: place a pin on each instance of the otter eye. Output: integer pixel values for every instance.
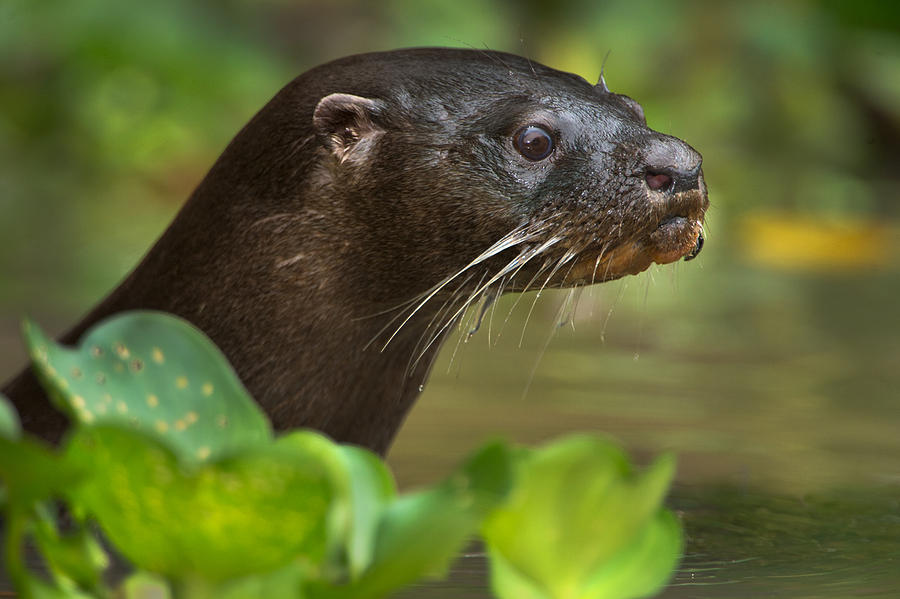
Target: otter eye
(533, 143)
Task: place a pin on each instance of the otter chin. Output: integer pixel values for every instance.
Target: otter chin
(347, 227)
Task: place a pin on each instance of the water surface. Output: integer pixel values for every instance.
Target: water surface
(778, 390)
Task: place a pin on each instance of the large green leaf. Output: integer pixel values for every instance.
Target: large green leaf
(578, 518)
(154, 372)
(236, 516)
(420, 534)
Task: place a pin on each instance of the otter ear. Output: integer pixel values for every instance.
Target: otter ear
(342, 120)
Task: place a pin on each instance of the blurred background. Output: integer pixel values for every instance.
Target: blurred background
(770, 365)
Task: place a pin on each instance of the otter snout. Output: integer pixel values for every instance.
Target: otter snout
(677, 194)
(672, 166)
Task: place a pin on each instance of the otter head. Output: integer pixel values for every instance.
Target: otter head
(478, 172)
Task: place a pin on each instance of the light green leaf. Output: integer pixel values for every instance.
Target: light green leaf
(645, 566)
(372, 488)
(420, 534)
(363, 488)
(10, 428)
(156, 373)
(241, 515)
(143, 585)
(577, 508)
(286, 583)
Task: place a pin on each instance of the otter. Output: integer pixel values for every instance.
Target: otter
(349, 224)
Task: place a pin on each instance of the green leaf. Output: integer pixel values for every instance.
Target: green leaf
(642, 568)
(76, 559)
(17, 522)
(241, 515)
(32, 472)
(154, 372)
(10, 428)
(364, 488)
(143, 585)
(286, 583)
(577, 517)
(420, 534)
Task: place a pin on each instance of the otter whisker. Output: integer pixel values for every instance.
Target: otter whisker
(564, 314)
(517, 236)
(540, 357)
(429, 335)
(566, 257)
(456, 317)
(578, 293)
(612, 307)
(500, 289)
(430, 293)
(597, 262)
(513, 265)
(527, 287)
(573, 296)
(464, 336)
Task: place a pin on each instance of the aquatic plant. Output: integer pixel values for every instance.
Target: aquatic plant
(174, 464)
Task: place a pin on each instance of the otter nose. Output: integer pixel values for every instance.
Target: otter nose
(672, 166)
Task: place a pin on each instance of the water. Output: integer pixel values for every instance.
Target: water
(779, 392)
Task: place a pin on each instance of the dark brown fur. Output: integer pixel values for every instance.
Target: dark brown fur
(301, 250)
